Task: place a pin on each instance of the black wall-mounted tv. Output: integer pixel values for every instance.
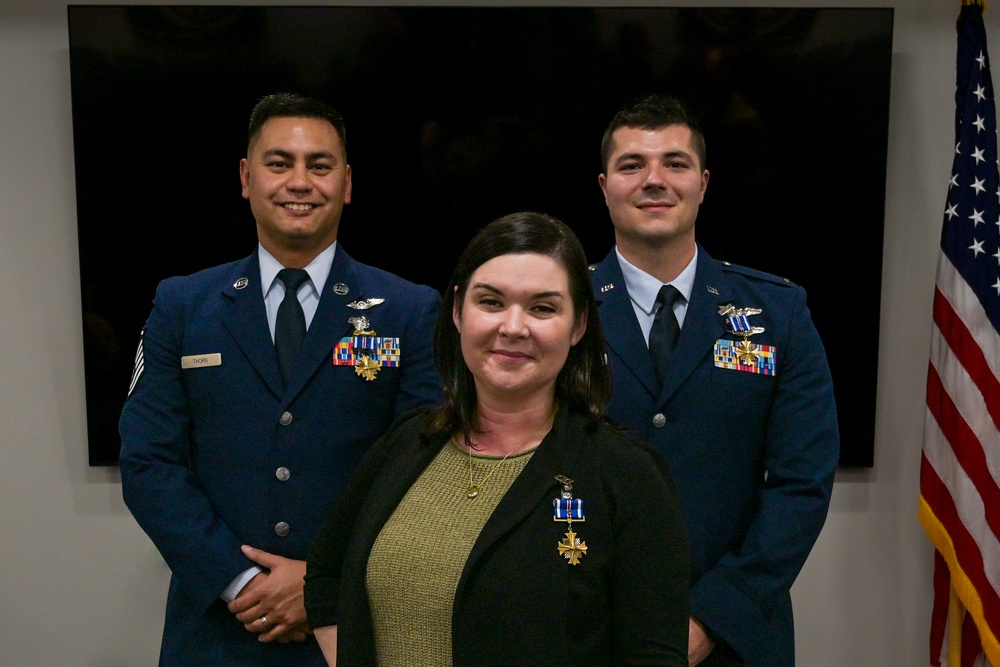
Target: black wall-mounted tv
(457, 115)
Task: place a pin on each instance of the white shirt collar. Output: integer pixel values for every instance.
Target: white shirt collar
(643, 288)
(318, 269)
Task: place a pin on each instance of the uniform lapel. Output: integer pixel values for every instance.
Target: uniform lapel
(702, 323)
(619, 324)
(245, 318)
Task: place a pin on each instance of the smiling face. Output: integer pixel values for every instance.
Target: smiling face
(653, 187)
(516, 323)
(297, 179)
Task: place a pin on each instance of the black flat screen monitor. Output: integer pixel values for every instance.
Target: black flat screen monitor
(457, 115)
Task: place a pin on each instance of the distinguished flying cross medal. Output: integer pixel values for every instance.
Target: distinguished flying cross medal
(364, 350)
(744, 356)
(566, 509)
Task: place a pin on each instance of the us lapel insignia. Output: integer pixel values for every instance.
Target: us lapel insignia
(744, 356)
(341, 289)
(365, 351)
(567, 509)
(241, 283)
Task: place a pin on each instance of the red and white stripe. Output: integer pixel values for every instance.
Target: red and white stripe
(960, 467)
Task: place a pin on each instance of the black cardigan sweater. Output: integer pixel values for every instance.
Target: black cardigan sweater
(519, 602)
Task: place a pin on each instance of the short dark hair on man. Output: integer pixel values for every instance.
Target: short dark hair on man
(654, 112)
(290, 105)
(583, 384)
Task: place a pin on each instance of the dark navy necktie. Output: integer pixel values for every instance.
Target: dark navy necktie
(290, 327)
(663, 335)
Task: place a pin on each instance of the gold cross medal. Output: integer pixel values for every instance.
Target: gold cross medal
(567, 509)
(365, 351)
(744, 356)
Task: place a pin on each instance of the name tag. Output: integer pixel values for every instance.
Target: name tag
(201, 360)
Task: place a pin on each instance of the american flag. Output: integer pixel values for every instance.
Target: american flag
(960, 465)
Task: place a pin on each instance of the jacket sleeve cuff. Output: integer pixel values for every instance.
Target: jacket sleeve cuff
(729, 614)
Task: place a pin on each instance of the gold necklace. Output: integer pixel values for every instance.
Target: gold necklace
(473, 487)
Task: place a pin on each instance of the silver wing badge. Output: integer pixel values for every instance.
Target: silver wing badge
(366, 304)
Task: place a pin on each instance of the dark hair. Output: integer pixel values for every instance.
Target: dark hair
(290, 105)
(653, 112)
(583, 384)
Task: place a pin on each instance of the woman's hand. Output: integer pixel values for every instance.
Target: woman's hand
(327, 638)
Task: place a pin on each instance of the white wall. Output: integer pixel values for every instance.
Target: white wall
(80, 584)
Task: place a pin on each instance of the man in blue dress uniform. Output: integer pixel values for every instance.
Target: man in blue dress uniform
(726, 375)
(249, 409)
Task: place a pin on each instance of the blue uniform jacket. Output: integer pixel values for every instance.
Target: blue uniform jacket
(222, 455)
(753, 455)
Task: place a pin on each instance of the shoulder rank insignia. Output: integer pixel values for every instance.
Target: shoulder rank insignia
(567, 509)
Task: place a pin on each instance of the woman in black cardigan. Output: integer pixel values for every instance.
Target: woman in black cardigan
(511, 526)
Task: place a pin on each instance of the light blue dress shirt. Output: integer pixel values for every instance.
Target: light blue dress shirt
(643, 288)
(309, 291)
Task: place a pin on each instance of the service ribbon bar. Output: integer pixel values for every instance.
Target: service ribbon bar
(738, 323)
(384, 351)
(746, 357)
(568, 509)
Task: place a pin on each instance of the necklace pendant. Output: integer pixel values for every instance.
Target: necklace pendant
(473, 491)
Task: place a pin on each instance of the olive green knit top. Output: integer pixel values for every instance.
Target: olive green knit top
(417, 559)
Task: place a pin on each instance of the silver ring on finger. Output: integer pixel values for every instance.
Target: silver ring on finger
(263, 621)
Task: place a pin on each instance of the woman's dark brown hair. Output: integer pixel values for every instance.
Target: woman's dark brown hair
(583, 384)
